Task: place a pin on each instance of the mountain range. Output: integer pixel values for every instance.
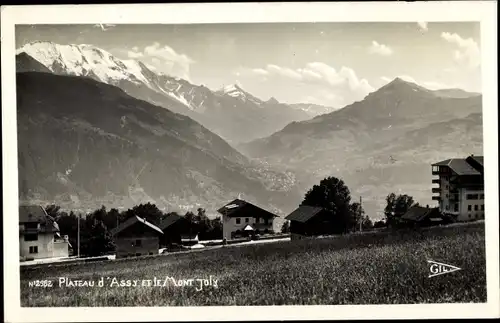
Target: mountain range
(383, 143)
(83, 144)
(96, 130)
(232, 113)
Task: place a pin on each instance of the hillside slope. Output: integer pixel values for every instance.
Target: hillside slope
(84, 144)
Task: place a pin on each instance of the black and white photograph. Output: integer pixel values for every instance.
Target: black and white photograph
(262, 163)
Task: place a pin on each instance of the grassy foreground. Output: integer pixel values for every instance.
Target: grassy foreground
(372, 268)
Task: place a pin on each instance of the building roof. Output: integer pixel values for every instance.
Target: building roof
(170, 220)
(132, 220)
(418, 213)
(236, 206)
(304, 213)
(459, 166)
(478, 159)
(36, 213)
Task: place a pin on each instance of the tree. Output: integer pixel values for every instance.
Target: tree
(396, 207)
(334, 196)
(53, 210)
(367, 223)
(379, 224)
(147, 211)
(285, 228)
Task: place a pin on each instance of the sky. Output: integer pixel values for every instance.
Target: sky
(332, 64)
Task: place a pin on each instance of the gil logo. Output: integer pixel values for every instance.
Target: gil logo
(437, 268)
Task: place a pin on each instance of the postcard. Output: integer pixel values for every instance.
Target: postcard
(256, 161)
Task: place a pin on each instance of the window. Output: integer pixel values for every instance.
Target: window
(447, 186)
(246, 220)
(447, 195)
(447, 207)
(138, 243)
(456, 208)
(481, 197)
(476, 207)
(238, 220)
(262, 220)
(482, 207)
(473, 196)
(31, 237)
(470, 215)
(34, 249)
(266, 221)
(469, 207)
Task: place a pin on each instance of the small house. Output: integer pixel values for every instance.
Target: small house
(307, 221)
(174, 227)
(422, 216)
(39, 235)
(136, 237)
(242, 218)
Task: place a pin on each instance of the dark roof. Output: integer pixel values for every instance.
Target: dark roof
(132, 220)
(418, 213)
(36, 213)
(478, 159)
(234, 207)
(304, 213)
(169, 220)
(459, 166)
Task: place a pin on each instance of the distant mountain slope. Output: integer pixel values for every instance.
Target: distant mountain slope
(84, 144)
(231, 116)
(383, 143)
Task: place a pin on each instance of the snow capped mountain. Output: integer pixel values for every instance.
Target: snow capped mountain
(85, 60)
(235, 91)
(231, 112)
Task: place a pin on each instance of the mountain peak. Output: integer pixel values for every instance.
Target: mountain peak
(273, 100)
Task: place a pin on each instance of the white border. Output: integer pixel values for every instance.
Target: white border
(484, 11)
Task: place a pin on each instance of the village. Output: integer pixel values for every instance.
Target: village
(459, 194)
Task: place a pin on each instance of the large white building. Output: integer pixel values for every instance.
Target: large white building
(39, 235)
(241, 218)
(460, 187)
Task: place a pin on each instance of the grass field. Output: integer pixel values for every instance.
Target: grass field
(373, 268)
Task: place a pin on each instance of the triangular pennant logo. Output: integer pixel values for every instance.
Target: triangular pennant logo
(438, 268)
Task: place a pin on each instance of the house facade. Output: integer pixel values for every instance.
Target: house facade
(136, 237)
(422, 216)
(459, 187)
(39, 235)
(308, 221)
(174, 227)
(241, 218)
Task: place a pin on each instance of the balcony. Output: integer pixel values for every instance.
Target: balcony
(436, 181)
(436, 198)
(436, 190)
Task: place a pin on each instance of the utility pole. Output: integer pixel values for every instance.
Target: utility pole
(78, 243)
(360, 213)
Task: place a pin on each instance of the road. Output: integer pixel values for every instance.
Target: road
(112, 257)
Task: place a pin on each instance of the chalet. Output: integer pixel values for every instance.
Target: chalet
(422, 216)
(174, 227)
(307, 221)
(460, 187)
(39, 235)
(136, 237)
(240, 218)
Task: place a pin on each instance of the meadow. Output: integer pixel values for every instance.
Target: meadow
(370, 268)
